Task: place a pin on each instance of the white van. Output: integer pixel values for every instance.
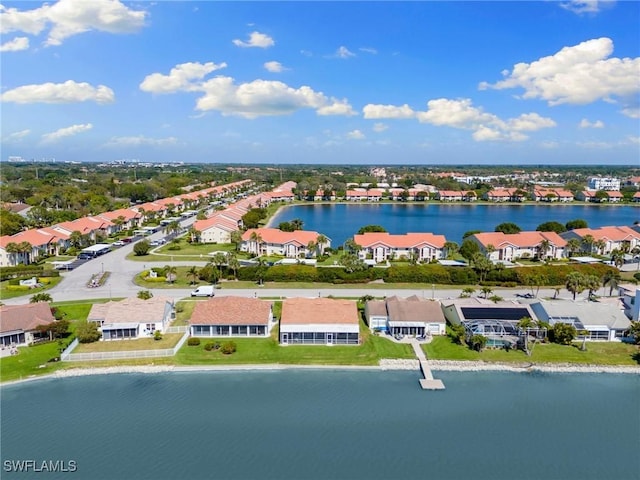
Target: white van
(203, 291)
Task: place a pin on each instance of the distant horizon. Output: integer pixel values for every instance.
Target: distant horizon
(367, 83)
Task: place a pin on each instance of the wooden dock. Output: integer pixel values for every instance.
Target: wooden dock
(428, 382)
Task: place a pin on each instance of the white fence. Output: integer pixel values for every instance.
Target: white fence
(180, 329)
(67, 356)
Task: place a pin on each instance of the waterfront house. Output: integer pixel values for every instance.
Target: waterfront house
(132, 318)
(231, 317)
(272, 241)
(505, 195)
(614, 196)
(405, 316)
(44, 241)
(498, 246)
(630, 298)
(605, 239)
(319, 321)
(587, 196)
(636, 197)
(19, 323)
(552, 195)
(601, 321)
(383, 246)
(479, 316)
(90, 227)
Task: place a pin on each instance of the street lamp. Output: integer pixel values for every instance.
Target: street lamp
(433, 288)
(102, 266)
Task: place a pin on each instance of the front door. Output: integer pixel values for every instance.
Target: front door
(285, 338)
(329, 338)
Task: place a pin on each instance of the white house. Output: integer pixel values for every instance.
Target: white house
(382, 246)
(272, 241)
(603, 183)
(405, 316)
(498, 246)
(132, 317)
(611, 238)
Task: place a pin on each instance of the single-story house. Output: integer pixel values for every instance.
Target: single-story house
(18, 323)
(231, 317)
(603, 321)
(480, 316)
(319, 321)
(405, 316)
(383, 246)
(132, 318)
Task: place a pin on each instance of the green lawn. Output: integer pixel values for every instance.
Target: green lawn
(169, 340)
(5, 293)
(598, 353)
(188, 251)
(181, 281)
(267, 350)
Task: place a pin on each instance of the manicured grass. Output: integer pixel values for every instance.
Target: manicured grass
(267, 350)
(188, 251)
(169, 340)
(317, 285)
(5, 293)
(182, 280)
(598, 353)
(30, 361)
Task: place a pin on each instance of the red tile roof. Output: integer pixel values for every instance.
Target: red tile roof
(616, 234)
(278, 237)
(522, 239)
(297, 311)
(231, 311)
(408, 240)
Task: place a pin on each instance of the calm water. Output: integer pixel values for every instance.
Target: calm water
(328, 425)
(341, 221)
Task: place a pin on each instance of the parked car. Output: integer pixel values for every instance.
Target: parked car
(118, 243)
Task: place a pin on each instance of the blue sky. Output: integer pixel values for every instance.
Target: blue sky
(322, 82)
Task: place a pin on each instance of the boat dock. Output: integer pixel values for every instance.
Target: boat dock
(428, 382)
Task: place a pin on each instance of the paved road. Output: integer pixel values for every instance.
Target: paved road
(122, 271)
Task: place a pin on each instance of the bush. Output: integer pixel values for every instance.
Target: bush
(87, 332)
(637, 276)
(155, 280)
(157, 335)
(193, 342)
(228, 347)
(209, 346)
(17, 288)
(141, 248)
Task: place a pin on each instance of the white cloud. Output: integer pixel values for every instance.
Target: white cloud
(15, 45)
(462, 114)
(71, 17)
(633, 139)
(576, 75)
(182, 77)
(379, 127)
(256, 39)
(65, 132)
(372, 111)
(585, 6)
(140, 140)
(343, 52)
(263, 98)
(67, 92)
(631, 112)
(249, 100)
(337, 107)
(274, 67)
(306, 53)
(17, 136)
(584, 123)
(370, 50)
(355, 135)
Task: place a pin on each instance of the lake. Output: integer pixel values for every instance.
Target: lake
(318, 424)
(341, 221)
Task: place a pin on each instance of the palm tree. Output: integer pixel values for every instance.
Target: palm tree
(76, 239)
(611, 278)
(575, 283)
(173, 227)
(600, 245)
(591, 283)
(451, 248)
(256, 240)
(13, 249)
(297, 224)
(311, 248)
(233, 264)
(321, 241)
(170, 272)
(486, 291)
(588, 241)
(573, 245)
(194, 234)
(617, 257)
(193, 274)
(543, 248)
(524, 325)
(236, 238)
(41, 297)
(26, 249)
(219, 259)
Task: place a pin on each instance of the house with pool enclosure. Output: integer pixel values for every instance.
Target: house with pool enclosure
(232, 317)
(319, 321)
